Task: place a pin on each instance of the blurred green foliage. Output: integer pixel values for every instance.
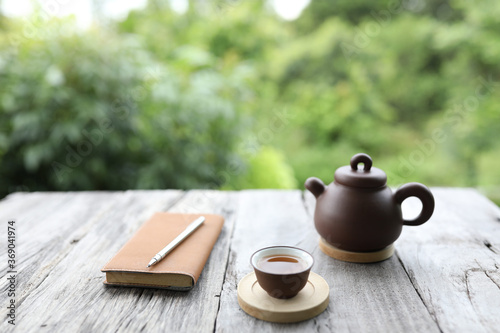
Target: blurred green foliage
(228, 95)
(414, 84)
(267, 169)
(91, 111)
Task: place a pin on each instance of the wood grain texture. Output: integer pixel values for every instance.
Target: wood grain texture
(73, 242)
(453, 261)
(47, 227)
(170, 311)
(444, 276)
(375, 297)
(76, 282)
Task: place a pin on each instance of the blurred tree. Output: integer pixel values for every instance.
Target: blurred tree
(221, 35)
(181, 93)
(267, 168)
(472, 117)
(375, 77)
(354, 11)
(93, 111)
(359, 98)
(224, 29)
(357, 11)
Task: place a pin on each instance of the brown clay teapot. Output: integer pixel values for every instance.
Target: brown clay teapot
(358, 212)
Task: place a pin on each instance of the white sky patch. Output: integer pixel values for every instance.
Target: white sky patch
(119, 9)
(289, 9)
(86, 10)
(179, 6)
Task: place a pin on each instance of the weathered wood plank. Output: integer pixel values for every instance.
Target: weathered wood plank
(196, 310)
(47, 225)
(69, 270)
(454, 261)
(74, 298)
(446, 274)
(373, 297)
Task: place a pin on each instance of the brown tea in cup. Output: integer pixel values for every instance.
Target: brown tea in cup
(282, 271)
(282, 264)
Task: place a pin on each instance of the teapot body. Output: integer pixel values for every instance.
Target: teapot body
(359, 220)
(357, 212)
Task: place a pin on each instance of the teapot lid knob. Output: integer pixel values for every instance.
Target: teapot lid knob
(361, 158)
(369, 177)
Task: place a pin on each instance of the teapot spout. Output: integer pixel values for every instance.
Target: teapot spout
(315, 186)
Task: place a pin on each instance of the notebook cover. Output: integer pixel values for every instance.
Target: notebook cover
(187, 259)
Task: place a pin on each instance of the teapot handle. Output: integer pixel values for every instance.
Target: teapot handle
(423, 193)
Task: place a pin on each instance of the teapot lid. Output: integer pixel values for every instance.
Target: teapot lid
(367, 178)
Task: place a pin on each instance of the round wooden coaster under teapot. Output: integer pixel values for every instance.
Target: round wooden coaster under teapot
(358, 216)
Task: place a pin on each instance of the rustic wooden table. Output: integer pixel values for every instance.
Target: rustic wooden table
(445, 275)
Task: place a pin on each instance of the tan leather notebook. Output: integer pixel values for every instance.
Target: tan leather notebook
(180, 269)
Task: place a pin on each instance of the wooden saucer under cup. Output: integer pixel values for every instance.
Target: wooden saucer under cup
(308, 303)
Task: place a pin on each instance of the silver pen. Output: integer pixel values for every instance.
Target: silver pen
(182, 236)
